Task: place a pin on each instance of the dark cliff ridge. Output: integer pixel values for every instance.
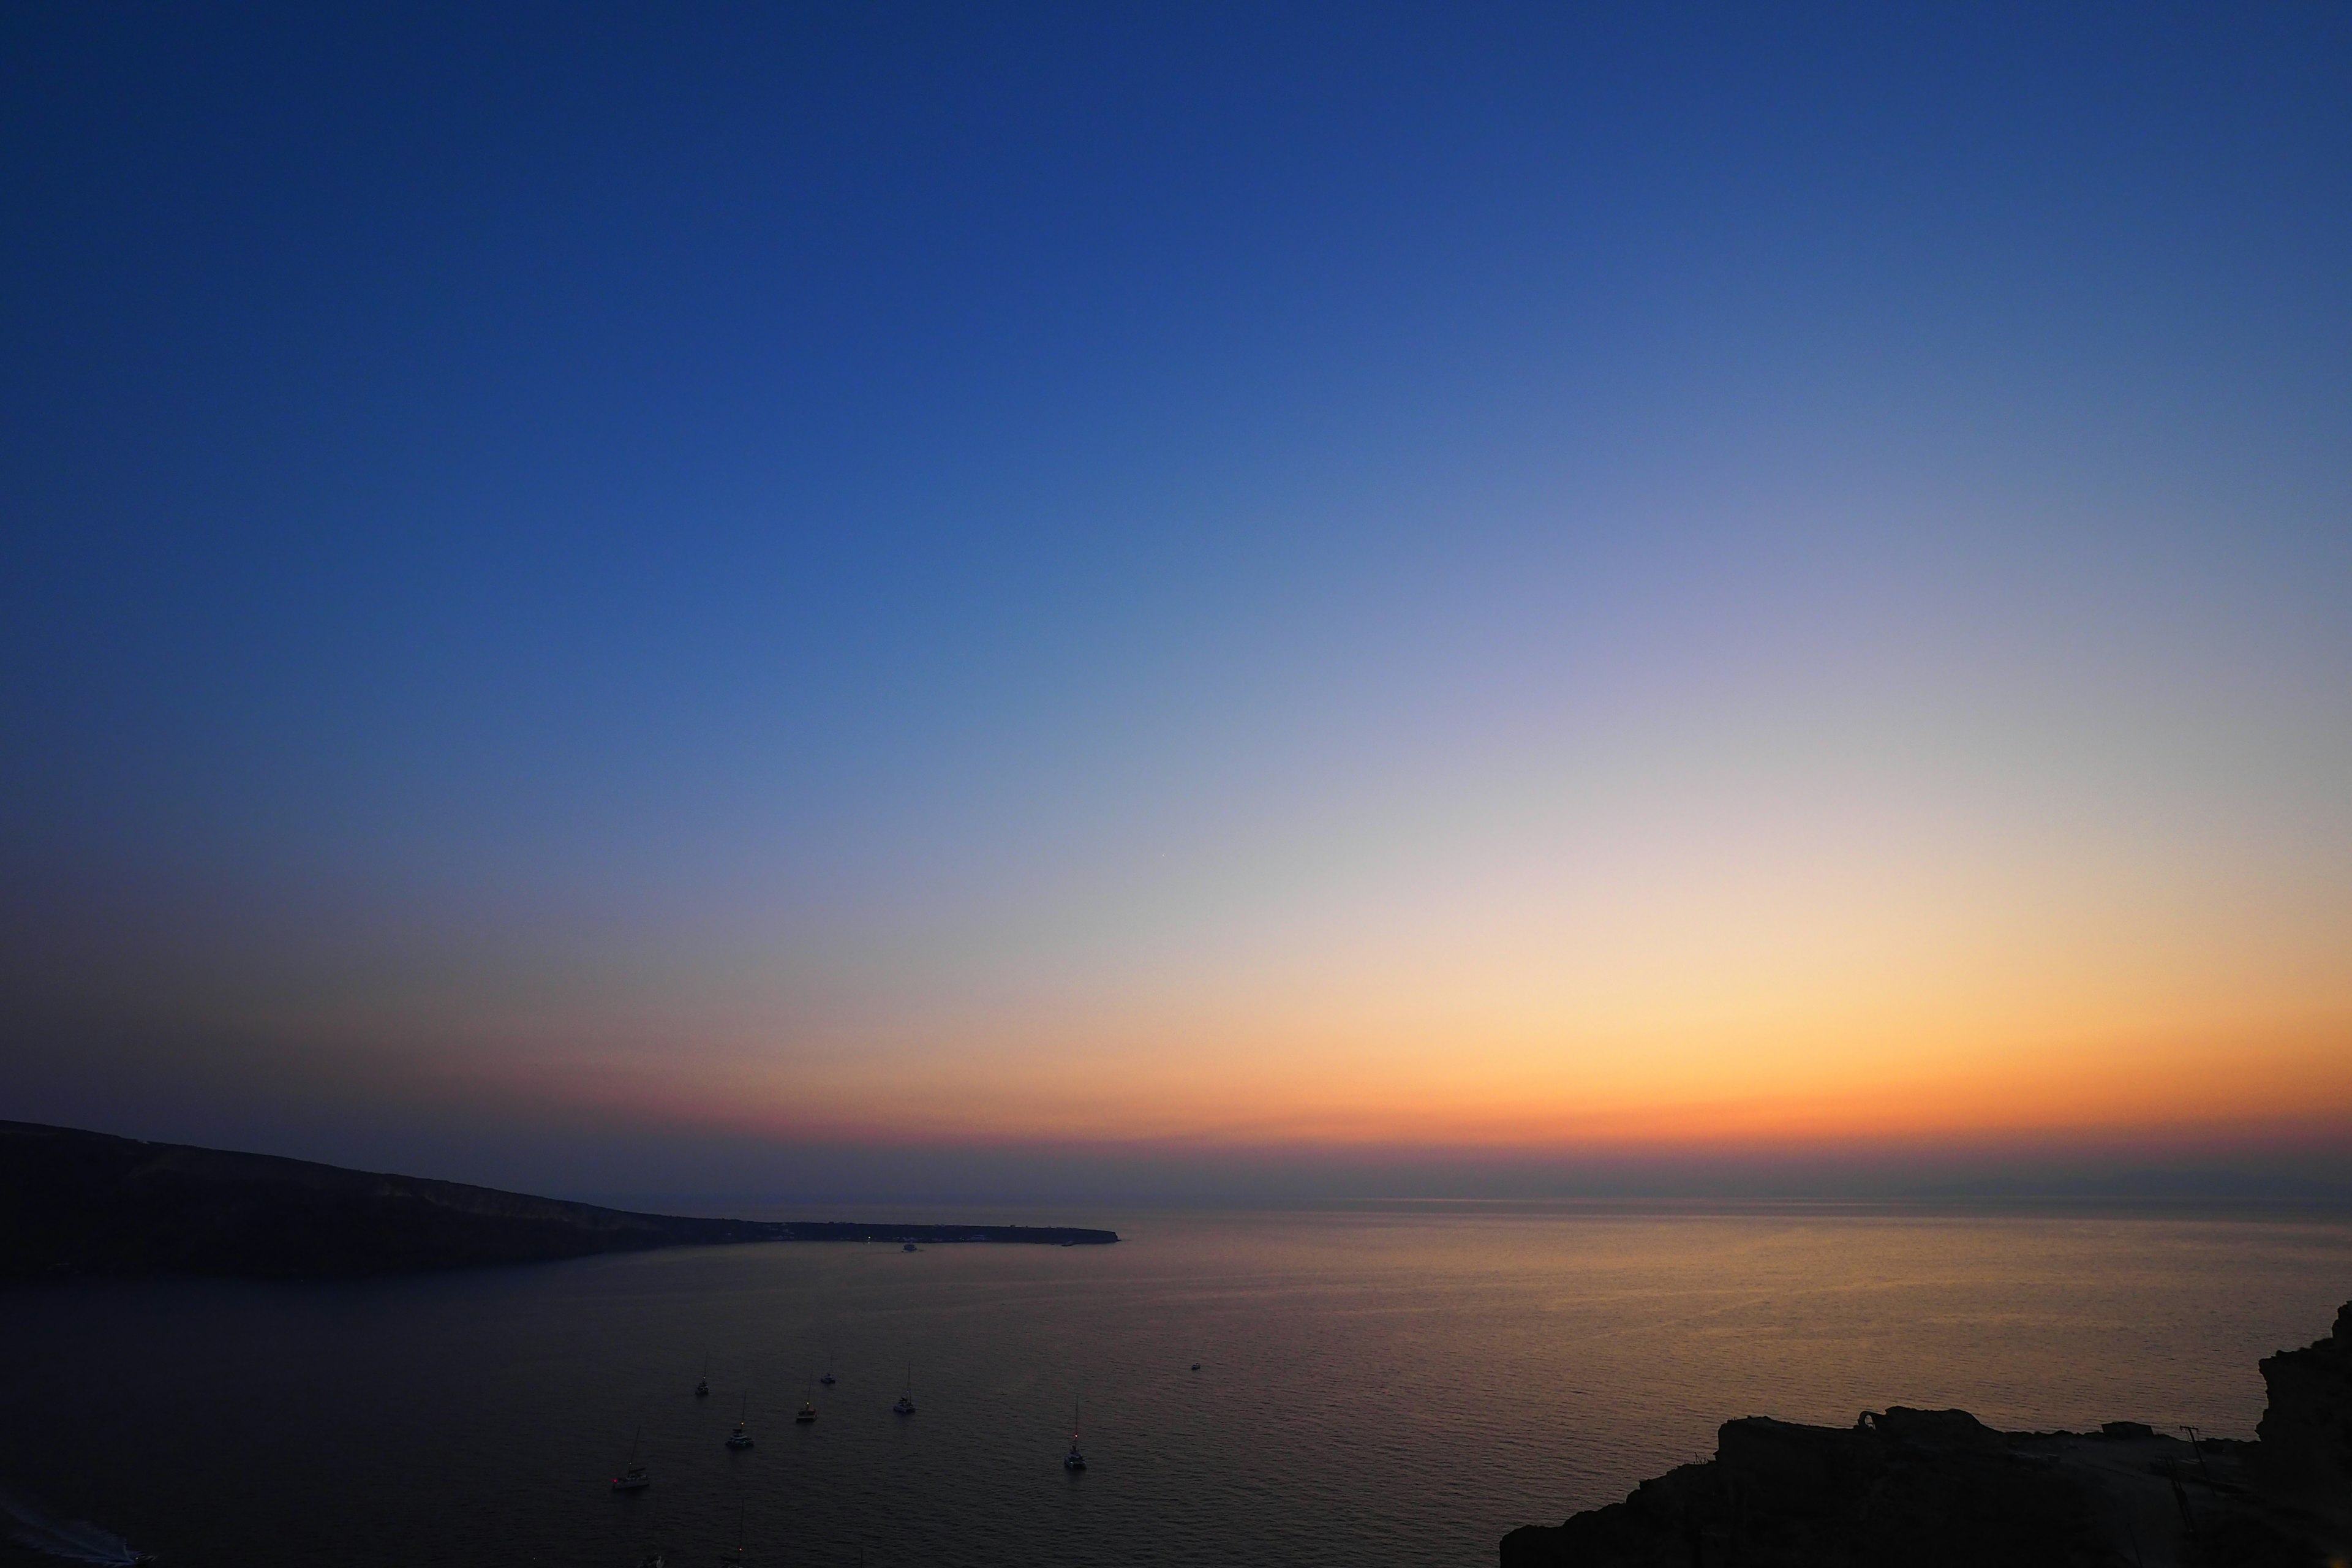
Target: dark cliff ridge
(85, 1203)
(2303, 1444)
(1930, 1488)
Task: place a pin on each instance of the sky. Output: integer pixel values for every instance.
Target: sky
(990, 602)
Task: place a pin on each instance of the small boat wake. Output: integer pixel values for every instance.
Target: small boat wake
(74, 1540)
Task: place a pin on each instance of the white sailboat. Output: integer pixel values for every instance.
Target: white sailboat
(636, 1477)
(742, 1435)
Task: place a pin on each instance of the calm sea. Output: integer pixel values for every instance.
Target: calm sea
(1374, 1388)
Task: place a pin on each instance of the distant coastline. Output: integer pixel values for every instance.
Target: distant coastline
(75, 1202)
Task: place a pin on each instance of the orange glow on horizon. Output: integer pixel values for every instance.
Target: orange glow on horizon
(1767, 967)
(2191, 1088)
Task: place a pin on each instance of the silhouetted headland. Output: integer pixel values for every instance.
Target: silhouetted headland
(1929, 1487)
(87, 1202)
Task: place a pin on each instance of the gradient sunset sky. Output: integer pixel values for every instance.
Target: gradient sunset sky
(865, 599)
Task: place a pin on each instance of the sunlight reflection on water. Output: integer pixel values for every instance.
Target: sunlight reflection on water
(1375, 1388)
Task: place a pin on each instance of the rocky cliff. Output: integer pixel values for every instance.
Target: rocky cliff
(1930, 1488)
(2307, 1432)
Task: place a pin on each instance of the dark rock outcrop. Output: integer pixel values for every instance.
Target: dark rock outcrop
(1924, 1487)
(2307, 1432)
(1929, 1487)
(85, 1203)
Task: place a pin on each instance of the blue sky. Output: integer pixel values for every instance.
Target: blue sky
(819, 553)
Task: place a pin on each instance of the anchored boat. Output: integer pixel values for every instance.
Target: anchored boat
(742, 1436)
(636, 1477)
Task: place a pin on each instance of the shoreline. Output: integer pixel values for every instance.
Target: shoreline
(74, 1203)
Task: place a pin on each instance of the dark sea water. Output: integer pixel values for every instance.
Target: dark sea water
(1376, 1388)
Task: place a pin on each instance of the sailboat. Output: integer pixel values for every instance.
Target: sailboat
(807, 1411)
(1074, 1460)
(827, 1378)
(742, 1437)
(736, 1556)
(906, 1405)
(636, 1477)
(702, 1389)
